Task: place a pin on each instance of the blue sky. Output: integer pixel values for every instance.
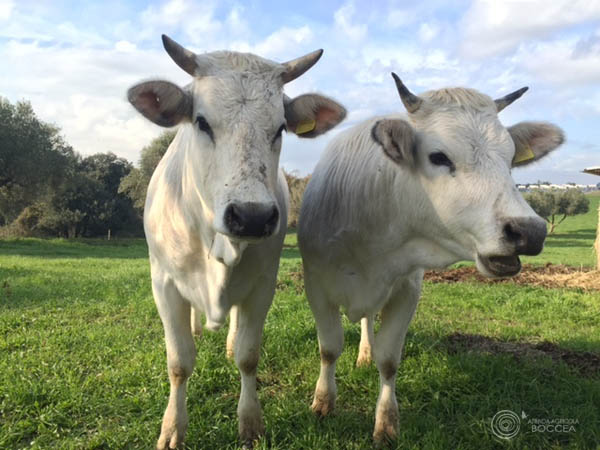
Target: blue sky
(75, 60)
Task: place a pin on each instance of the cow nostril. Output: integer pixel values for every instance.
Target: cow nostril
(273, 218)
(511, 234)
(233, 218)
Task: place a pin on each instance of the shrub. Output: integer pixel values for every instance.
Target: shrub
(552, 204)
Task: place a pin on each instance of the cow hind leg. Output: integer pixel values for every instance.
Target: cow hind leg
(331, 342)
(175, 314)
(196, 322)
(389, 341)
(232, 331)
(367, 338)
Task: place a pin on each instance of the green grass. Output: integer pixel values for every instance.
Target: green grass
(572, 241)
(83, 359)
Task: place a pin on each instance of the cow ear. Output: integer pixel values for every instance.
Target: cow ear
(534, 140)
(310, 115)
(162, 102)
(398, 140)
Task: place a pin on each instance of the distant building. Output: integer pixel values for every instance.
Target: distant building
(559, 187)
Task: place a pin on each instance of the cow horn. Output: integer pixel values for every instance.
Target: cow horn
(182, 57)
(296, 67)
(503, 102)
(411, 102)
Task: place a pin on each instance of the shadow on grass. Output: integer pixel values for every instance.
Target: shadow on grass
(455, 383)
(289, 252)
(585, 363)
(571, 237)
(567, 243)
(586, 233)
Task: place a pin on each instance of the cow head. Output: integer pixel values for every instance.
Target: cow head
(462, 155)
(233, 114)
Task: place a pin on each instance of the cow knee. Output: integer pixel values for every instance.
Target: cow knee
(387, 369)
(247, 362)
(179, 373)
(329, 357)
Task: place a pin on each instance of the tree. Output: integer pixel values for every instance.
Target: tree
(135, 184)
(33, 158)
(552, 204)
(46, 188)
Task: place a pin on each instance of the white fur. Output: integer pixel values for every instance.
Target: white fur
(370, 226)
(199, 267)
(194, 260)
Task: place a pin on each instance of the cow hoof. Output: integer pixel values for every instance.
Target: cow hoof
(363, 360)
(197, 331)
(386, 425)
(168, 440)
(250, 429)
(323, 404)
(172, 431)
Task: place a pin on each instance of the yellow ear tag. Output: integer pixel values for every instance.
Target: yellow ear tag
(523, 154)
(305, 127)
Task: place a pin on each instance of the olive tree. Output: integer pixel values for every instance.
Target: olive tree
(554, 206)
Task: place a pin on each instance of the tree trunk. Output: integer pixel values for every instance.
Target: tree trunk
(597, 244)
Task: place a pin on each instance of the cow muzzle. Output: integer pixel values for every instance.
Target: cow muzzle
(251, 220)
(525, 236)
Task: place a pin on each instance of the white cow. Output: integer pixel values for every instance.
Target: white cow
(216, 209)
(396, 195)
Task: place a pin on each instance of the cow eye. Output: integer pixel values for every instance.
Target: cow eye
(282, 128)
(440, 159)
(204, 126)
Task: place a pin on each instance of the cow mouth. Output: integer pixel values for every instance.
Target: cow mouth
(499, 266)
(226, 250)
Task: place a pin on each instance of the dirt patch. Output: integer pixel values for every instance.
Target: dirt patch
(586, 363)
(548, 276)
(294, 280)
(553, 276)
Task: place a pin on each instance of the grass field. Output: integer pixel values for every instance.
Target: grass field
(83, 359)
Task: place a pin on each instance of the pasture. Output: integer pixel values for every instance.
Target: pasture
(83, 358)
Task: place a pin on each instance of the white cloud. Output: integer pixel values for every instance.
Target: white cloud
(76, 76)
(343, 20)
(82, 90)
(194, 20)
(561, 62)
(397, 18)
(495, 27)
(284, 43)
(6, 8)
(125, 46)
(428, 32)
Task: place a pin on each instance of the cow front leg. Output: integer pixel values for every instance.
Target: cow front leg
(232, 331)
(367, 338)
(174, 312)
(389, 342)
(250, 321)
(331, 342)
